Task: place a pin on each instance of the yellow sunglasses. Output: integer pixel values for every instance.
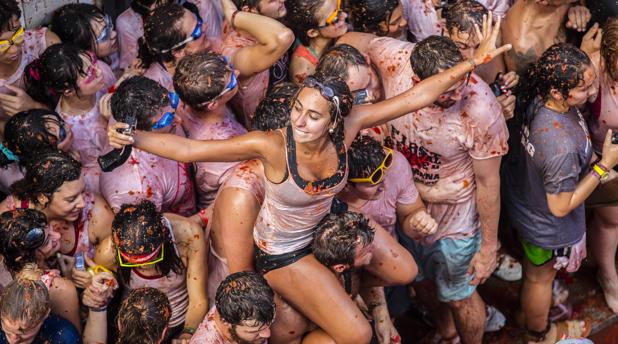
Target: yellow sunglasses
(377, 175)
(18, 38)
(333, 18)
(131, 265)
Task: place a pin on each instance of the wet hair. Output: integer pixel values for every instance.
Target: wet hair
(8, 10)
(14, 226)
(28, 287)
(609, 46)
(463, 15)
(27, 136)
(245, 296)
(301, 17)
(560, 68)
(55, 71)
(139, 229)
(336, 237)
(273, 112)
(144, 315)
(366, 15)
(336, 61)
(142, 7)
(139, 97)
(72, 24)
(433, 54)
(45, 174)
(199, 78)
(249, 3)
(342, 92)
(162, 30)
(364, 156)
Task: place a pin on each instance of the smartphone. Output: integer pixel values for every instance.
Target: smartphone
(496, 88)
(80, 264)
(615, 137)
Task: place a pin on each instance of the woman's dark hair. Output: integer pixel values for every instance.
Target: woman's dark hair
(8, 10)
(26, 133)
(560, 68)
(336, 61)
(144, 315)
(199, 78)
(14, 226)
(139, 229)
(463, 15)
(72, 24)
(141, 98)
(273, 112)
(345, 102)
(142, 7)
(433, 54)
(609, 47)
(45, 174)
(366, 15)
(336, 237)
(161, 32)
(245, 296)
(301, 17)
(364, 156)
(55, 71)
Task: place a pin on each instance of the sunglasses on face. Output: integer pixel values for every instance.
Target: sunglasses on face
(377, 175)
(106, 33)
(334, 17)
(140, 260)
(35, 238)
(168, 117)
(17, 38)
(195, 35)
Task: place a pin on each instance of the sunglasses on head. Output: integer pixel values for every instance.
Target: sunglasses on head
(106, 33)
(168, 117)
(132, 261)
(195, 35)
(17, 38)
(35, 238)
(325, 91)
(333, 18)
(377, 175)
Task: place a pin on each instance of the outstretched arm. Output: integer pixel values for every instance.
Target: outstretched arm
(274, 39)
(253, 145)
(427, 91)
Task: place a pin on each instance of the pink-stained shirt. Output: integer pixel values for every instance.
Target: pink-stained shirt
(130, 27)
(210, 175)
(89, 140)
(159, 74)
(173, 285)
(208, 332)
(423, 19)
(164, 182)
(250, 90)
(289, 214)
(33, 46)
(398, 189)
(440, 144)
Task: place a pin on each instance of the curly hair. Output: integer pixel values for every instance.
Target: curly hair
(144, 316)
(609, 47)
(14, 226)
(245, 296)
(337, 237)
(273, 112)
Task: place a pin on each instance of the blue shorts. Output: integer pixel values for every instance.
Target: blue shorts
(446, 262)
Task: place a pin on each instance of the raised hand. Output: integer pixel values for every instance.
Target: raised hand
(487, 36)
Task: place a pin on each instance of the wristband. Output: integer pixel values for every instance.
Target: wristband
(112, 89)
(188, 330)
(98, 309)
(232, 19)
(605, 169)
(203, 217)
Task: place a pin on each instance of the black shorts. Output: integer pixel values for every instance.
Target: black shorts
(265, 262)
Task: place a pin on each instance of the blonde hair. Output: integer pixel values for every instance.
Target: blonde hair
(26, 298)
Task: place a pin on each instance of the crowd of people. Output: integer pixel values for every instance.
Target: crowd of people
(304, 171)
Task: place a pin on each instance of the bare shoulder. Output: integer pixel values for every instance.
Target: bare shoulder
(186, 232)
(51, 38)
(100, 226)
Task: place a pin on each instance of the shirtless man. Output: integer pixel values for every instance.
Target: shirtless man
(532, 26)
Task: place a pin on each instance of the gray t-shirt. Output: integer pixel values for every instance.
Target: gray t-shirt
(551, 157)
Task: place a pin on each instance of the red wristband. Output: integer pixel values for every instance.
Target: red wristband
(111, 89)
(203, 217)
